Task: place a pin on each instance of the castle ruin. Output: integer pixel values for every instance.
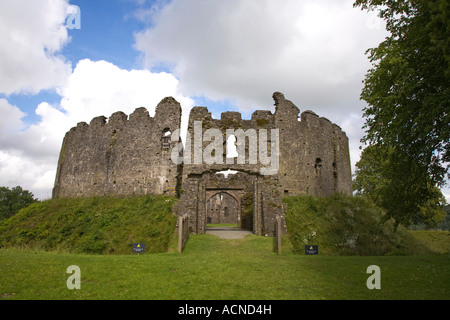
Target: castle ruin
(278, 154)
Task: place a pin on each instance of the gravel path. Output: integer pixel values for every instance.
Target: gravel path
(227, 232)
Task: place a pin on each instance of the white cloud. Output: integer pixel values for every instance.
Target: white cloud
(33, 32)
(28, 156)
(312, 51)
(100, 88)
(352, 125)
(10, 119)
(18, 169)
(446, 193)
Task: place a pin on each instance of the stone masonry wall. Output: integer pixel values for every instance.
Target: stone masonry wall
(313, 159)
(314, 153)
(123, 156)
(120, 155)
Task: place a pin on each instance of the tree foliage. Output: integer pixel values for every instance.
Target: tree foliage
(401, 185)
(407, 89)
(12, 200)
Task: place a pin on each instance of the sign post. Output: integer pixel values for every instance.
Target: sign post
(138, 248)
(311, 249)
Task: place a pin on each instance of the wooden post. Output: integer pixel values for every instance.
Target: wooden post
(279, 232)
(183, 231)
(180, 234)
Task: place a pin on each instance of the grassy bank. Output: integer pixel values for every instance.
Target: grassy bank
(92, 225)
(343, 225)
(213, 268)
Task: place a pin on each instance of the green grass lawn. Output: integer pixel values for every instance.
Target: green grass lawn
(213, 268)
(214, 225)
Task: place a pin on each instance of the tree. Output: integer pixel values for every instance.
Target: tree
(12, 200)
(399, 184)
(407, 89)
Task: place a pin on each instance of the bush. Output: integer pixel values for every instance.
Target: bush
(342, 225)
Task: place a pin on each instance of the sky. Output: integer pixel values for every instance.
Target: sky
(62, 62)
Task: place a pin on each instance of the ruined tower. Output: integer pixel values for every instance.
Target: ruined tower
(120, 156)
(278, 154)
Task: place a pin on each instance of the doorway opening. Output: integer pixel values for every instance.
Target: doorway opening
(222, 209)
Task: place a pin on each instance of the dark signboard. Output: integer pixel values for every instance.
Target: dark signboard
(138, 247)
(311, 249)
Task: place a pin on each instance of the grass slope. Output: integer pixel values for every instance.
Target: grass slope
(343, 225)
(92, 225)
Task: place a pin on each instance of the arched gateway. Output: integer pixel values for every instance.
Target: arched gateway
(223, 207)
(246, 198)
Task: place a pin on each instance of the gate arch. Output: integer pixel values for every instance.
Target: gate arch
(223, 206)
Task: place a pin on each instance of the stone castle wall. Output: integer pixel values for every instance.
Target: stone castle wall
(123, 156)
(313, 159)
(314, 152)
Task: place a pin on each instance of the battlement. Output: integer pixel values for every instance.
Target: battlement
(120, 155)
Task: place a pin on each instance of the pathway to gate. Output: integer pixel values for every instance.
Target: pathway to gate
(227, 232)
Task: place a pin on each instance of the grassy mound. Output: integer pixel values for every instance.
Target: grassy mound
(344, 225)
(99, 225)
